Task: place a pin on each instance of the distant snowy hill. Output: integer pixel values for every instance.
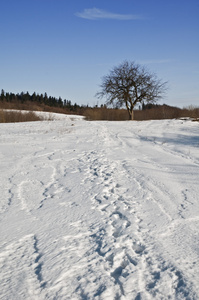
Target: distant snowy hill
(99, 210)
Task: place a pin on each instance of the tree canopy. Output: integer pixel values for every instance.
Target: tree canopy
(129, 84)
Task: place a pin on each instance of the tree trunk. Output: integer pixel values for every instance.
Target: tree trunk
(130, 110)
(131, 115)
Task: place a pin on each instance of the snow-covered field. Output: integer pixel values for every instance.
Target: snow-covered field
(99, 210)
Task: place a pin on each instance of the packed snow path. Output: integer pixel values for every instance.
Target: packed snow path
(99, 210)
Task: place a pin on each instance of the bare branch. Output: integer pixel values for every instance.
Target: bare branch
(129, 84)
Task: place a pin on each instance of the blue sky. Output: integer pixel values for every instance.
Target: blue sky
(65, 47)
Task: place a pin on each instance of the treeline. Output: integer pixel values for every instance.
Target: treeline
(40, 99)
(36, 102)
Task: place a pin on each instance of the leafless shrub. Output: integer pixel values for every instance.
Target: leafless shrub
(158, 113)
(155, 113)
(7, 116)
(192, 112)
(106, 114)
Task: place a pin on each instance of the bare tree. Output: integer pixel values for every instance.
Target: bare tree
(130, 84)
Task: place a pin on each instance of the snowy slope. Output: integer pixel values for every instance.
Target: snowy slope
(99, 210)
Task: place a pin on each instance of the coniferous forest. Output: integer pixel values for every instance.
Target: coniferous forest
(40, 99)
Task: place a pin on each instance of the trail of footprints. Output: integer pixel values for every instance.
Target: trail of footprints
(121, 261)
(123, 246)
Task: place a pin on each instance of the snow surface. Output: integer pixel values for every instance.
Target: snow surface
(99, 210)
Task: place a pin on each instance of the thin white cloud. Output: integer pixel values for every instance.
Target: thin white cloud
(96, 14)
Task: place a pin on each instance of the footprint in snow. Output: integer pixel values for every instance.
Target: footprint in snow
(138, 248)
